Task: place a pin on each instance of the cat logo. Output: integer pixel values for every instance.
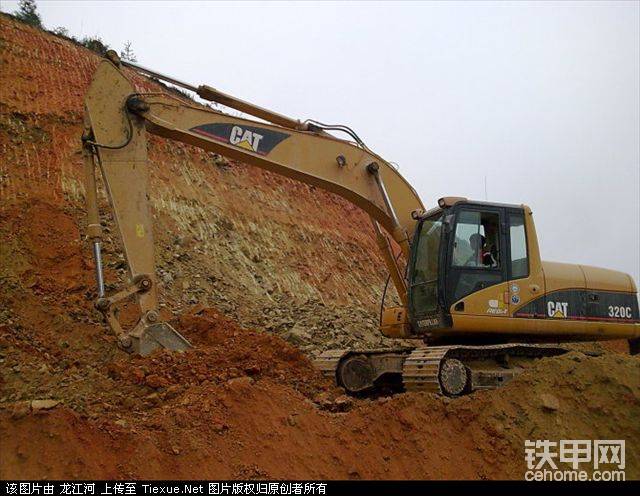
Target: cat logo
(496, 307)
(245, 138)
(557, 309)
(255, 139)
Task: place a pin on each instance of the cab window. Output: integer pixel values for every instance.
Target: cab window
(476, 242)
(518, 241)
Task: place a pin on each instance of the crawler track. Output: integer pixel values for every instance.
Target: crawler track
(449, 370)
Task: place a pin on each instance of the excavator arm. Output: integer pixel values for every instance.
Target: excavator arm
(117, 119)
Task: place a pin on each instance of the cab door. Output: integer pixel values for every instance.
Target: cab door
(527, 285)
(476, 279)
(518, 260)
(424, 275)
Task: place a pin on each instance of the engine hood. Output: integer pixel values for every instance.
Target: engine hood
(562, 275)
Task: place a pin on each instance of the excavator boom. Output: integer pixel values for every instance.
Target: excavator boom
(117, 119)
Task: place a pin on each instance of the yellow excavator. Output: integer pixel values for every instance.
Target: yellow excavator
(473, 289)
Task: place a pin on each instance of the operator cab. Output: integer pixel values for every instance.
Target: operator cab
(460, 248)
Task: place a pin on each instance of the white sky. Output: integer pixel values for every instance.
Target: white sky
(541, 99)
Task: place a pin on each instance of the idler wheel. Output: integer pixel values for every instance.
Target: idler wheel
(454, 377)
(355, 374)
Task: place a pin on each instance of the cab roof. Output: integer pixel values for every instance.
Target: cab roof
(450, 201)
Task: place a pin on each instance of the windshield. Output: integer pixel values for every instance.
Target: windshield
(424, 286)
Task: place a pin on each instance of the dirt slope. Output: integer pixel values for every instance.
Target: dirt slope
(244, 403)
(262, 248)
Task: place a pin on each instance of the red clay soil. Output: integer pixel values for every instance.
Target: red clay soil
(242, 403)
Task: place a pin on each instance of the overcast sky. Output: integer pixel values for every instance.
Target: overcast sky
(542, 100)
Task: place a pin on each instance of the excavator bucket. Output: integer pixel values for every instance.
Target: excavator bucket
(160, 335)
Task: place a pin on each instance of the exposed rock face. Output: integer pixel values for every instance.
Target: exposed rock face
(259, 247)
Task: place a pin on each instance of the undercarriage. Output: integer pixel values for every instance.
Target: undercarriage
(448, 370)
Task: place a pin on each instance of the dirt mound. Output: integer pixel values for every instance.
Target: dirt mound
(223, 352)
(262, 427)
(99, 381)
(243, 403)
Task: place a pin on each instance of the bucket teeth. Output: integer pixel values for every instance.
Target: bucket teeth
(160, 335)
